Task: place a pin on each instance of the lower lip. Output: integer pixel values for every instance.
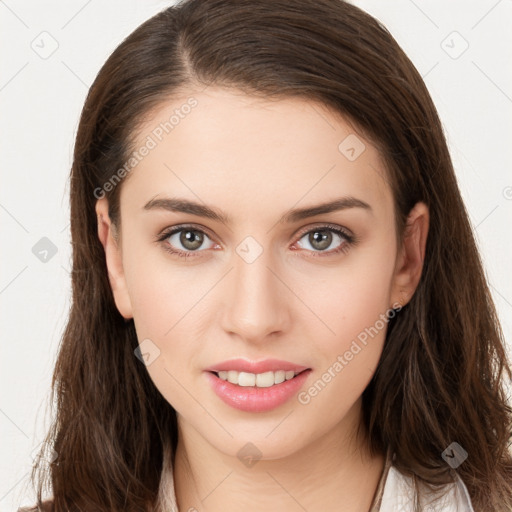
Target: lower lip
(254, 399)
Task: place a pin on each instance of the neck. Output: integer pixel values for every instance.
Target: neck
(332, 473)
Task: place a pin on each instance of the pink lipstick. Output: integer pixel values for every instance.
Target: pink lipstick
(256, 386)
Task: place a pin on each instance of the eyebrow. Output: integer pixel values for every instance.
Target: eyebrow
(291, 216)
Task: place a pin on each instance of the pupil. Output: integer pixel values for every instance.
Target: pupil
(322, 241)
(191, 239)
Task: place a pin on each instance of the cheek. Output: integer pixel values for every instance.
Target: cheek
(162, 305)
(161, 294)
(349, 357)
(163, 302)
(356, 296)
(355, 306)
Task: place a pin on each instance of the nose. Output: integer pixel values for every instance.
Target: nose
(257, 301)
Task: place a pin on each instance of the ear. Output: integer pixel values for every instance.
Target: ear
(109, 238)
(409, 264)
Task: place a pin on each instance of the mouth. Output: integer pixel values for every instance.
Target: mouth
(258, 380)
(257, 392)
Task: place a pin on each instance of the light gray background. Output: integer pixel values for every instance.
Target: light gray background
(41, 96)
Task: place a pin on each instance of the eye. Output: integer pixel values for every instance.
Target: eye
(183, 240)
(323, 237)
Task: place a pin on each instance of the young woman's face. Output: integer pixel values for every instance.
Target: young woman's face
(266, 281)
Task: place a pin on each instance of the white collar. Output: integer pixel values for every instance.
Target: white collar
(398, 495)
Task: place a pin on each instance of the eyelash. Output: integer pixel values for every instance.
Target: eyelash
(350, 240)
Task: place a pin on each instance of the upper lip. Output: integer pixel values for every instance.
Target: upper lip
(267, 365)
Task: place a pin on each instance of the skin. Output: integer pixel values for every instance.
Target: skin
(255, 159)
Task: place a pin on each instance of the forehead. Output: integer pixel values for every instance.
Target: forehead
(221, 145)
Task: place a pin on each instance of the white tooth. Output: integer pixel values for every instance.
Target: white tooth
(261, 380)
(265, 380)
(233, 376)
(246, 379)
(279, 376)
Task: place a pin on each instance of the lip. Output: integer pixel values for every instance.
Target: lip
(267, 365)
(252, 398)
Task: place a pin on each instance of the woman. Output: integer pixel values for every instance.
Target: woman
(278, 302)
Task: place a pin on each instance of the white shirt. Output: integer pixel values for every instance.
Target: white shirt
(398, 496)
(395, 493)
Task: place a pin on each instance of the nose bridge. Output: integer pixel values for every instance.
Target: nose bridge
(257, 305)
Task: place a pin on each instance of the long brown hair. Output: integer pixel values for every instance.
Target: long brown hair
(442, 374)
